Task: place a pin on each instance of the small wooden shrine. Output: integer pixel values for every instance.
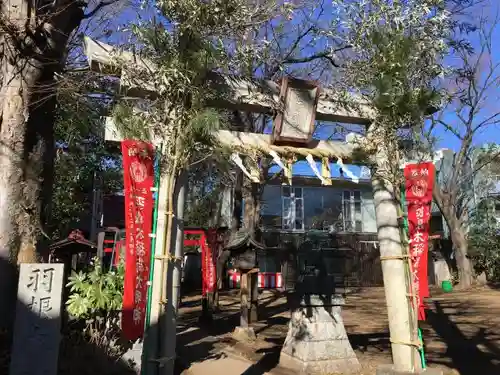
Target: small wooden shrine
(243, 248)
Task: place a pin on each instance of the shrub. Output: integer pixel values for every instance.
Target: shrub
(92, 342)
(484, 245)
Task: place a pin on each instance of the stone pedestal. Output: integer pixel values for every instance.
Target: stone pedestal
(317, 342)
(244, 334)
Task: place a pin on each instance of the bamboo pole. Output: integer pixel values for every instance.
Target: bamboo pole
(172, 282)
(178, 237)
(412, 308)
(154, 335)
(170, 261)
(164, 358)
(149, 345)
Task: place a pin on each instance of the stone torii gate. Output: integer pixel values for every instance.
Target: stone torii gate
(262, 96)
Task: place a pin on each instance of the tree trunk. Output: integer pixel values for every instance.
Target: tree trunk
(237, 202)
(235, 226)
(33, 50)
(251, 211)
(464, 264)
(458, 236)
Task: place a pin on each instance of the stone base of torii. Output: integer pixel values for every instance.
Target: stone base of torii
(316, 342)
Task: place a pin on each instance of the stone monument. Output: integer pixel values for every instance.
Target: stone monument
(37, 327)
(317, 342)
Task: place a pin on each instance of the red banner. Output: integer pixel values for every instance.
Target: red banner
(215, 240)
(138, 176)
(207, 269)
(419, 185)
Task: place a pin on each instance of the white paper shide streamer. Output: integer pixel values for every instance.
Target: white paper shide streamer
(365, 172)
(235, 158)
(277, 159)
(314, 167)
(347, 172)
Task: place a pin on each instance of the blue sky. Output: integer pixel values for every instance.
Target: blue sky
(490, 10)
(445, 139)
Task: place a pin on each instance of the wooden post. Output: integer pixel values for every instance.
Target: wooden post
(207, 308)
(254, 291)
(244, 316)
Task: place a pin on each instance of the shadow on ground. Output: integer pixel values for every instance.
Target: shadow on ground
(461, 334)
(474, 353)
(200, 342)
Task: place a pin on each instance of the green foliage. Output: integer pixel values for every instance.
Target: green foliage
(81, 156)
(207, 181)
(199, 213)
(184, 44)
(96, 292)
(398, 51)
(95, 300)
(484, 242)
(95, 303)
(130, 126)
(182, 60)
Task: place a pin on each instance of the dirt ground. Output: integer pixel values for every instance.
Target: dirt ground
(461, 334)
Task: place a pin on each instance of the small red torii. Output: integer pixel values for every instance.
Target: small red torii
(210, 241)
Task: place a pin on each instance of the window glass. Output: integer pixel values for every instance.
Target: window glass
(347, 215)
(306, 208)
(359, 226)
(299, 224)
(287, 213)
(357, 211)
(358, 218)
(271, 207)
(299, 214)
(348, 227)
(322, 208)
